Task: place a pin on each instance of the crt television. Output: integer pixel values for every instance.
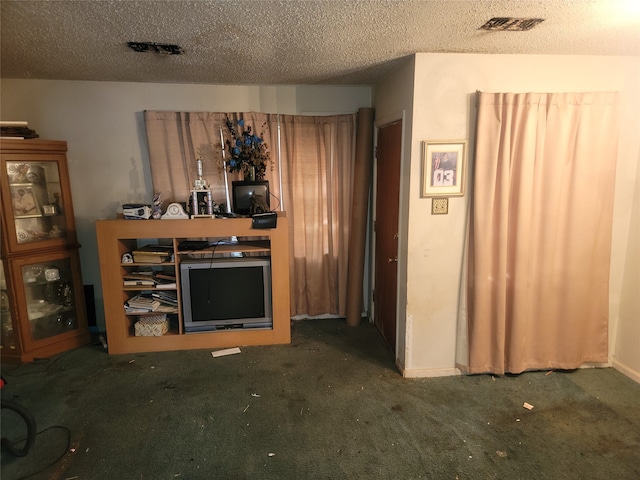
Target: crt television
(223, 293)
(246, 192)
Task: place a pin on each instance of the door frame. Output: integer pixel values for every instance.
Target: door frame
(403, 204)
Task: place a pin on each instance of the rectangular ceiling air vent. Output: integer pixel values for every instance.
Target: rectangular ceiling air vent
(165, 48)
(511, 24)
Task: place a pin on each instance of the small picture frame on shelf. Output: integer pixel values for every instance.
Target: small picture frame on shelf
(24, 201)
(49, 210)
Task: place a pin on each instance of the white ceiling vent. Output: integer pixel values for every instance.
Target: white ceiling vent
(511, 24)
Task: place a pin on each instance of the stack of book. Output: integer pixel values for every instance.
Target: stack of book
(16, 129)
(139, 278)
(141, 304)
(162, 280)
(166, 297)
(153, 254)
(165, 280)
(168, 300)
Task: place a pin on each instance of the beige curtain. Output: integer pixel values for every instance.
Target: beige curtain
(315, 158)
(176, 139)
(540, 231)
(317, 171)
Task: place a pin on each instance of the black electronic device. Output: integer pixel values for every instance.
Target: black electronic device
(192, 245)
(250, 197)
(264, 220)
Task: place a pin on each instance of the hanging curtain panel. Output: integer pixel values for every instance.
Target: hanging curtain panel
(314, 157)
(540, 231)
(177, 139)
(317, 169)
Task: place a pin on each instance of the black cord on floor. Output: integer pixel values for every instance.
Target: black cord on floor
(62, 455)
(47, 362)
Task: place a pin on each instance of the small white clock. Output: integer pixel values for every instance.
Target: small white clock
(174, 211)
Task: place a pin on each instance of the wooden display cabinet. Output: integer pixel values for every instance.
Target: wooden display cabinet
(43, 310)
(119, 237)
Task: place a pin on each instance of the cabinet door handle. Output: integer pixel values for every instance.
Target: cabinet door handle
(393, 260)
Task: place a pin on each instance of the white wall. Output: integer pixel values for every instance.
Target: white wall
(103, 125)
(444, 109)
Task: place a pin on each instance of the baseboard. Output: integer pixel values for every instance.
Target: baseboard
(428, 372)
(627, 371)
(453, 371)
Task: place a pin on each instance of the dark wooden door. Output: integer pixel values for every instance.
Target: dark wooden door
(386, 230)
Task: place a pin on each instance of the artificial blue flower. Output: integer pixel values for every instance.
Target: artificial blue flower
(233, 163)
(236, 151)
(240, 122)
(247, 141)
(238, 142)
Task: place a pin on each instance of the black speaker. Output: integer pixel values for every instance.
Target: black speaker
(264, 220)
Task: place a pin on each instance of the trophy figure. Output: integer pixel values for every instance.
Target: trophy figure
(201, 200)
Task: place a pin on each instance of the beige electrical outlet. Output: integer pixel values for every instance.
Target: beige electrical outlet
(439, 206)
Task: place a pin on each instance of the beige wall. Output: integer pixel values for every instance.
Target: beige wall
(395, 102)
(626, 354)
(433, 93)
(443, 108)
(104, 129)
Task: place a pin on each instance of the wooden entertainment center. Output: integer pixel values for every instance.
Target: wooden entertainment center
(117, 237)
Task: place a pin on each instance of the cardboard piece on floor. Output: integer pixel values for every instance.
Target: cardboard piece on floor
(226, 351)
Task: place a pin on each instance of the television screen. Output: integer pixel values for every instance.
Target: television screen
(229, 292)
(250, 197)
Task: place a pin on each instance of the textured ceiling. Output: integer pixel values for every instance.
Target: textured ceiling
(289, 42)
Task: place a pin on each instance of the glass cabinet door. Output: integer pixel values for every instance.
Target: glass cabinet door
(7, 336)
(50, 298)
(48, 301)
(36, 199)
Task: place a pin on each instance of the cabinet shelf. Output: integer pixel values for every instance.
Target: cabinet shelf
(168, 311)
(255, 246)
(53, 313)
(148, 264)
(144, 288)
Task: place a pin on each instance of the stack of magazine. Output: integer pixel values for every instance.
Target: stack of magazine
(141, 304)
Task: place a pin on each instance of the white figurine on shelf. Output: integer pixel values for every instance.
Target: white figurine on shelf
(156, 209)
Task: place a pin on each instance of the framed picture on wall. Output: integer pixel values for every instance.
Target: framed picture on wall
(444, 165)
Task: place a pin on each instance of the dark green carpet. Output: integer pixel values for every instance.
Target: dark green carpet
(329, 406)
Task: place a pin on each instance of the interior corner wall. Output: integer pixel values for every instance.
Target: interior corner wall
(626, 357)
(393, 101)
(103, 126)
(444, 109)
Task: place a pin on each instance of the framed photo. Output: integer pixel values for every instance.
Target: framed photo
(444, 166)
(24, 201)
